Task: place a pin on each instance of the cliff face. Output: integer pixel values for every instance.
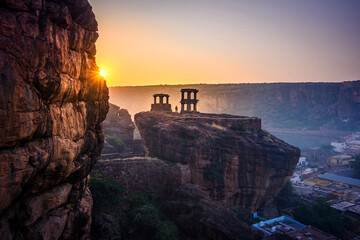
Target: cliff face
(279, 105)
(52, 102)
(230, 157)
(195, 215)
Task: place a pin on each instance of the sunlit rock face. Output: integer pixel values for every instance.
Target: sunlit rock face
(230, 157)
(52, 102)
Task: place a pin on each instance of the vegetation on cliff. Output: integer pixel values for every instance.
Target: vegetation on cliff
(117, 215)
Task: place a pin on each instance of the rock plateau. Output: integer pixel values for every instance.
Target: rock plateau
(230, 157)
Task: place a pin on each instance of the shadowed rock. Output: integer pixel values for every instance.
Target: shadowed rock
(52, 102)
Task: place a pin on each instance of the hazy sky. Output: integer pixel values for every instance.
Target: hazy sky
(147, 42)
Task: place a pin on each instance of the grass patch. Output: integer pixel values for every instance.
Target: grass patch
(115, 142)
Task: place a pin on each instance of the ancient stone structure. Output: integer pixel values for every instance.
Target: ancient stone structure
(161, 106)
(230, 157)
(189, 102)
(52, 103)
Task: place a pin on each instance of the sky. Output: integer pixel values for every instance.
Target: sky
(152, 42)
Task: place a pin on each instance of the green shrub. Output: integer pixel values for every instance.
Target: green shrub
(356, 166)
(327, 148)
(167, 231)
(105, 191)
(147, 218)
(115, 142)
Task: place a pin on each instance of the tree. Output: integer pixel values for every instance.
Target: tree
(327, 148)
(321, 215)
(356, 166)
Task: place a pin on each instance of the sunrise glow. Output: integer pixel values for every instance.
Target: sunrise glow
(103, 73)
(165, 42)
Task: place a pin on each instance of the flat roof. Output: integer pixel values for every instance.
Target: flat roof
(354, 209)
(340, 179)
(343, 205)
(310, 232)
(281, 224)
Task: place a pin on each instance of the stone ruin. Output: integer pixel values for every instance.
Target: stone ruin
(189, 102)
(161, 106)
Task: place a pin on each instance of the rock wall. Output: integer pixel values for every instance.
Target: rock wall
(52, 103)
(140, 174)
(241, 167)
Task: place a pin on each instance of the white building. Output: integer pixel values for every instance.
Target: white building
(302, 162)
(338, 146)
(295, 180)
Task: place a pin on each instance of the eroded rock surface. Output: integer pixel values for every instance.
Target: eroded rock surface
(230, 157)
(52, 102)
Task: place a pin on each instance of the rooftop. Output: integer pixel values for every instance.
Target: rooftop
(340, 179)
(310, 232)
(343, 205)
(354, 209)
(281, 224)
(343, 157)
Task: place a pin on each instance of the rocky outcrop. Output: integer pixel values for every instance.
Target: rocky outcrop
(230, 157)
(197, 216)
(52, 103)
(118, 122)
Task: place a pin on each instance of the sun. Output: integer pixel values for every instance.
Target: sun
(102, 73)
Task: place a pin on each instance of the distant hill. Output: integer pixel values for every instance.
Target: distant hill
(311, 106)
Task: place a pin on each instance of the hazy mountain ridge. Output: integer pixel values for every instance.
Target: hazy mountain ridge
(280, 105)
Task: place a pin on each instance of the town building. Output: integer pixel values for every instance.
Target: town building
(341, 180)
(291, 228)
(338, 146)
(340, 159)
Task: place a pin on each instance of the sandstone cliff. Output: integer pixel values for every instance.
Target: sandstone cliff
(230, 157)
(52, 102)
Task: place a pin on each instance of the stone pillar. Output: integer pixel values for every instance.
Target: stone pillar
(161, 99)
(167, 99)
(154, 99)
(188, 107)
(195, 95)
(182, 95)
(182, 107)
(188, 95)
(195, 107)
